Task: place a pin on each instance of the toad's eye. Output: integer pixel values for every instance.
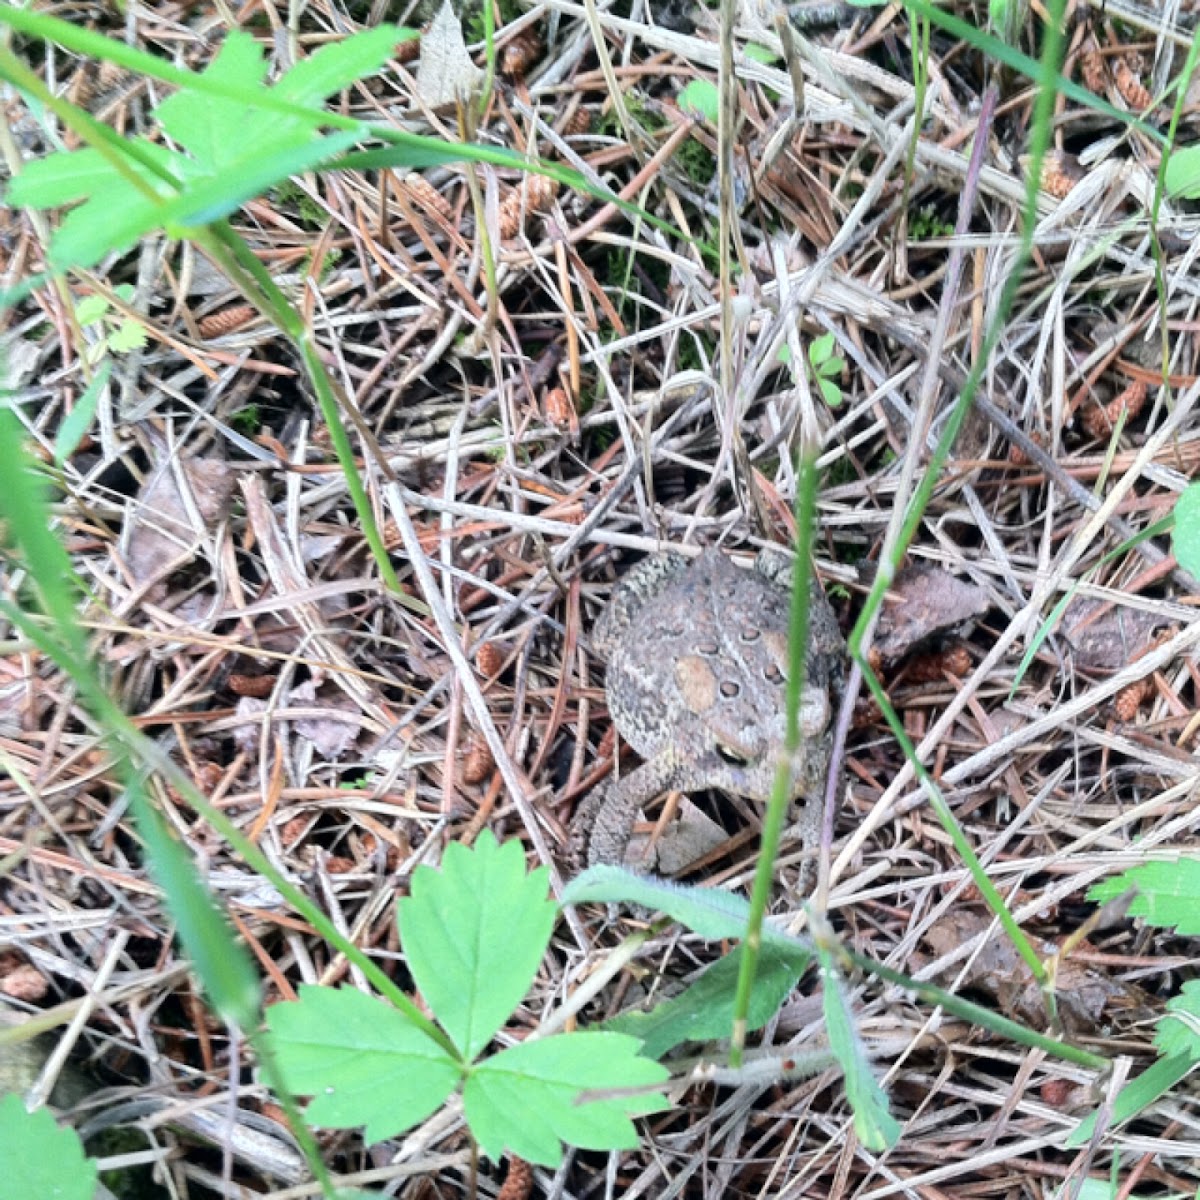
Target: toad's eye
(733, 757)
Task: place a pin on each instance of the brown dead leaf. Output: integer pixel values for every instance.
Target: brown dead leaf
(925, 601)
(1084, 995)
(446, 74)
(332, 730)
(178, 504)
(690, 836)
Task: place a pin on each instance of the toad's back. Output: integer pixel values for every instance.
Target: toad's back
(701, 657)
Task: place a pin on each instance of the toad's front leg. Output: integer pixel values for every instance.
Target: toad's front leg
(604, 822)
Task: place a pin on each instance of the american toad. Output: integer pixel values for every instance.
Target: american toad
(697, 655)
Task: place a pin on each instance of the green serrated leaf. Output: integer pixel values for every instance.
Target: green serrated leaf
(79, 420)
(57, 179)
(474, 933)
(700, 98)
(215, 130)
(339, 64)
(874, 1124)
(38, 1158)
(704, 1012)
(217, 956)
(363, 1061)
(129, 335)
(211, 199)
(114, 216)
(1179, 1030)
(1185, 541)
(526, 1100)
(1168, 893)
(1183, 173)
(91, 309)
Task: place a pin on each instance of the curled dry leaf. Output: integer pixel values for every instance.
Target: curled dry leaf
(924, 602)
(332, 731)
(689, 837)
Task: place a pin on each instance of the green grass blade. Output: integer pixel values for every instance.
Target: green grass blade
(781, 792)
(219, 959)
(1138, 1094)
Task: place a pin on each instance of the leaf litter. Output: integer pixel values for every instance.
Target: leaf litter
(539, 455)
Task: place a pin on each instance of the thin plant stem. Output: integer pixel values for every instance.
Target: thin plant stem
(781, 791)
(1039, 142)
